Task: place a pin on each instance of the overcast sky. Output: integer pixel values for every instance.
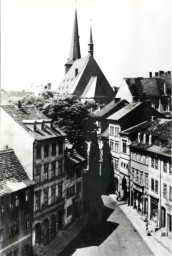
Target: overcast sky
(131, 38)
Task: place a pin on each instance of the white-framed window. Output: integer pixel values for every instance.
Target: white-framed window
(111, 144)
(124, 146)
(116, 147)
(164, 190)
(111, 130)
(117, 131)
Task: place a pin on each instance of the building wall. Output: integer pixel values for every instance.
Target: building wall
(21, 141)
(124, 92)
(18, 219)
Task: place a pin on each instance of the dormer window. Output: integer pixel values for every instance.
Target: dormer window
(139, 137)
(144, 138)
(150, 139)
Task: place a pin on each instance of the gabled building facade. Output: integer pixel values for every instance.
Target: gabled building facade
(83, 77)
(16, 206)
(40, 148)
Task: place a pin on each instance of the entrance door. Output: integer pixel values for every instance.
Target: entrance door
(163, 217)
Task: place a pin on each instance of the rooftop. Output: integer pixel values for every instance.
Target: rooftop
(160, 130)
(24, 114)
(124, 111)
(136, 128)
(110, 106)
(12, 175)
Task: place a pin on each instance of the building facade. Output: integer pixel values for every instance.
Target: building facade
(40, 148)
(16, 207)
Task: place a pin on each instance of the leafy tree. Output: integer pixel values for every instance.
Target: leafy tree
(68, 113)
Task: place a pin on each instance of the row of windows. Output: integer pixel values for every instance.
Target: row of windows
(165, 194)
(139, 177)
(71, 191)
(49, 170)
(114, 146)
(49, 149)
(166, 167)
(139, 158)
(124, 165)
(114, 131)
(56, 194)
(14, 202)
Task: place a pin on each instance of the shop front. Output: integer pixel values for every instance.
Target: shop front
(137, 198)
(154, 209)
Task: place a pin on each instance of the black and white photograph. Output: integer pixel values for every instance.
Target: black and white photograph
(86, 128)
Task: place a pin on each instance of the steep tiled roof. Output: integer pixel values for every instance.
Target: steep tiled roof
(32, 113)
(160, 130)
(76, 84)
(136, 128)
(74, 156)
(12, 175)
(109, 107)
(124, 111)
(149, 86)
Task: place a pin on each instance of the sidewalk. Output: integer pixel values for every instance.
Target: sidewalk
(158, 245)
(66, 236)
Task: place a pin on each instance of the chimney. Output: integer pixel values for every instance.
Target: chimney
(139, 137)
(19, 104)
(152, 118)
(161, 72)
(156, 73)
(6, 147)
(150, 74)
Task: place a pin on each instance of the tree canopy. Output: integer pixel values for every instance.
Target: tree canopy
(68, 113)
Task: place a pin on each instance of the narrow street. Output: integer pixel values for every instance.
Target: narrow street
(119, 239)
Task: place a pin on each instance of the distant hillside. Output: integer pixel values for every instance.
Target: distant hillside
(8, 97)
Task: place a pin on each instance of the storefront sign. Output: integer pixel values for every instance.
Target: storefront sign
(137, 188)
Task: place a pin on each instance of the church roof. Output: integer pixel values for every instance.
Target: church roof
(77, 80)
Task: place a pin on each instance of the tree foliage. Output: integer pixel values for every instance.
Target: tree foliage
(68, 113)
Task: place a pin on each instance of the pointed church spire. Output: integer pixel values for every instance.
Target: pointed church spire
(91, 45)
(75, 46)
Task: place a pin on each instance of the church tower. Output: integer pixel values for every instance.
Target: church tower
(74, 53)
(91, 45)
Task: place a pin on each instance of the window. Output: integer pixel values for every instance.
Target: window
(124, 146)
(60, 147)
(146, 180)
(111, 145)
(37, 201)
(53, 169)
(14, 201)
(45, 172)
(38, 152)
(53, 149)
(138, 158)
(38, 173)
(141, 178)
(152, 185)
(116, 163)
(60, 167)
(27, 223)
(164, 190)
(156, 186)
(45, 197)
(78, 188)
(170, 170)
(170, 193)
(69, 211)
(121, 164)
(27, 195)
(46, 150)
(60, 191)
(13, 229)
(143, 159)
(154, 163)
(53, 194)
(132, 155)
(116, 147)
(111, 130)
(132, 174)
(116, 131)
(70, 191)
(165, 166)
(137, 176)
